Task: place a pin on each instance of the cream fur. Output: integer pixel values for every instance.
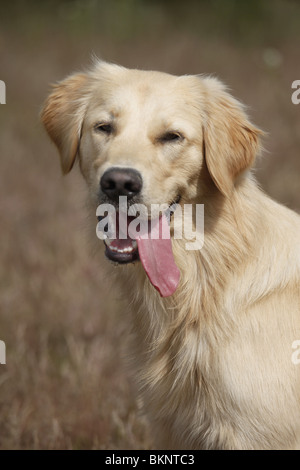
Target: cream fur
(213, 361)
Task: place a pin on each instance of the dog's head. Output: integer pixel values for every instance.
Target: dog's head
(149, 136)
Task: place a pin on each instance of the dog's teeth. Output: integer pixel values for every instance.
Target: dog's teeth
(127, 249)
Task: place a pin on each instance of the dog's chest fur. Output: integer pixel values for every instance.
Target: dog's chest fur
(199, 380)
(203, 362)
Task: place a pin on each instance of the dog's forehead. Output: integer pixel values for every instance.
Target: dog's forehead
(130, 91)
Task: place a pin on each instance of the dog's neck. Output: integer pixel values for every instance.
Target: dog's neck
(203, 272)
(174, 338)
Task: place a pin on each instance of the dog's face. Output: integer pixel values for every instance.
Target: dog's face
(149, 136)
(138, 141)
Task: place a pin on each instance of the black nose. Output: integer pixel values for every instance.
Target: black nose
(117, 182)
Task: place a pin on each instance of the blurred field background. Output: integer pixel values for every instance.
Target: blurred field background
(64, 385)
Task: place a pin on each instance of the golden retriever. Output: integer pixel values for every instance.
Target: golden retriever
(214, 329)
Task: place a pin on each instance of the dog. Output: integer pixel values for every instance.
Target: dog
(213, 329)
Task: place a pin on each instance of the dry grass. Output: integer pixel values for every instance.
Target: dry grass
(64, 385)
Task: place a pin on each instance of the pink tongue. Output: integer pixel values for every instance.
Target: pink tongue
(157, 258)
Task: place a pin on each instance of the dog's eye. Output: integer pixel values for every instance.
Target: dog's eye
(104, 127)
(171, 137)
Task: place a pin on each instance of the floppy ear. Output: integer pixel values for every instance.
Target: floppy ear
(63, 114)
(231, 142)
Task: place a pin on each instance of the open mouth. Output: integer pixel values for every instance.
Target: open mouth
(151, 244)
(123, 248)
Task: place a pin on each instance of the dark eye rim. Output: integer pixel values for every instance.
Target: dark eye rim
(104, 127)
(171, 136)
